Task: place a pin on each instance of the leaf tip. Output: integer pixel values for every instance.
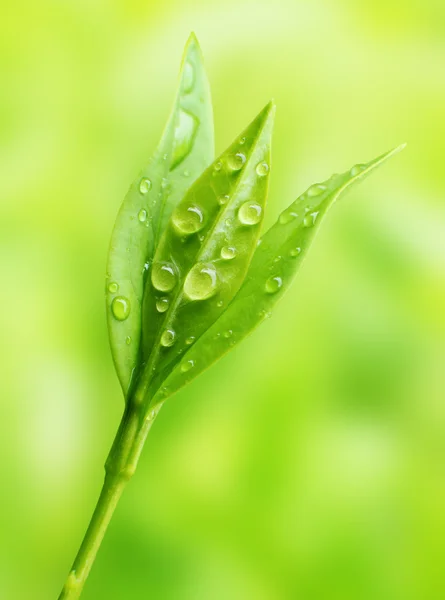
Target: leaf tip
(267, 114)
(399, 148)
(270, 107)
(192, 43)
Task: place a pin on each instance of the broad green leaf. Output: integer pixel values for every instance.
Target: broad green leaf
(205, 251)
(273, 267)
(185, 150)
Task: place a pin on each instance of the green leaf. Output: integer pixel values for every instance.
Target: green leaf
(205, 251)
(185, 150)
(273, 267)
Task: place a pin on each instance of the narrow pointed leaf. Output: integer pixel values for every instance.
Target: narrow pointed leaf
(185, 150)
(273, 267)
(205, 251)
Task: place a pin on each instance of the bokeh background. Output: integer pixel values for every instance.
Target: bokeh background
(308, 463)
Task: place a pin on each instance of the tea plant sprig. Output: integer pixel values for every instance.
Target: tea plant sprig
(188, 276)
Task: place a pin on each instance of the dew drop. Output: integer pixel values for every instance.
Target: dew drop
(145, 185)
(217, 166)
(286, 217)
(188, 219)
(113, 287)
(316, 190)
(142, 215)
(228, 222)
(164, 183)
(295, 252)
(227, 334)
(162, 304)
(262, 169)
(357, 169)
(201, 282)
(189, 341)
(163, 277)
(184, 137)
(186, 173)
(168, 338)
(220, 303)
(188, 77)
(236, 161)
(242, 141)
(223, 199)
(250, 213)
(309, 219)
(120, 308)
(273, 284)
(187, 365)
(128, 340)
(228, 252)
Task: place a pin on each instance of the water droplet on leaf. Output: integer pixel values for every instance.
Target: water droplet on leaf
(357, 169)
(113, 287)
(223, 199)
(162, 304)
(273, 284)
(188, 77)
(145, 185)
(190, 340)
(262, 169)
(316, 190)
(188, 219)
(309, 220)
(286, 217)
(142, 215)
(128, 340)
(201, 282)
(228, 252)
(250, 213)
(163, 277)
(185, 132)
(120, 308)
(168, 338)
(295, 252)
(187, 365)
(236, 161)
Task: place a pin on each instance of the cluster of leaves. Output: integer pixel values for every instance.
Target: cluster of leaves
(188, 275)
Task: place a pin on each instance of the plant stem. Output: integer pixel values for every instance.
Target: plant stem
(119, 468)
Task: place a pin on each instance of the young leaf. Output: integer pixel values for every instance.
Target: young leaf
(205, 251)
(185, 150)
(271, 271)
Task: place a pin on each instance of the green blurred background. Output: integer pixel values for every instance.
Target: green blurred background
(310, 462)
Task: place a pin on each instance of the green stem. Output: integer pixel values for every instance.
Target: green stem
(119, 468)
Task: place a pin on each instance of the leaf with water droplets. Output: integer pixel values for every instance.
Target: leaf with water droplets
(185, 150)
(205, 251)
(273, 267)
